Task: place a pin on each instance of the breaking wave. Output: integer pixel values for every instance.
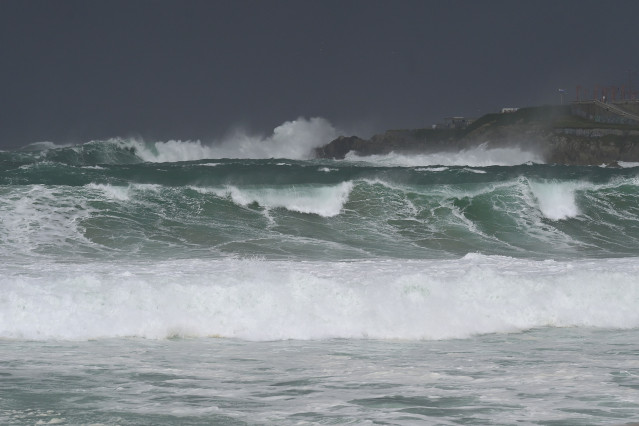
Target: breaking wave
(293, 140)
(326, 201)
(257, 300)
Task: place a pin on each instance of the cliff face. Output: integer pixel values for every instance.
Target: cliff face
(341, 146)
(550, 131)
(592, 147)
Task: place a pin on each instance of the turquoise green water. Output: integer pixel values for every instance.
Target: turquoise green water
(545, 377)
(103, 200)
(160, 284)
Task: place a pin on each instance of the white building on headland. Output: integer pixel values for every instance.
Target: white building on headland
(509, 110)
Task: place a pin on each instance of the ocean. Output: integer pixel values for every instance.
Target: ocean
(179, 283)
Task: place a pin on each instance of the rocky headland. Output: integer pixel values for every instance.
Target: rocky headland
(587, 133)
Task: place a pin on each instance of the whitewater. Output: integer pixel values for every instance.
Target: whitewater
(246, 282)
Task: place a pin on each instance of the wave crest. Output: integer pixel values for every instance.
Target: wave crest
(293, 139)
(326, 201)
(259, 300)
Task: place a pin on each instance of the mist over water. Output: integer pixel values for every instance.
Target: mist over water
(293, 139)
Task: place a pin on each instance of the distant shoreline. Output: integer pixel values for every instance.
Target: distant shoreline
(583, 133)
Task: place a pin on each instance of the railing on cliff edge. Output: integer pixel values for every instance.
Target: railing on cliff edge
(616, 110)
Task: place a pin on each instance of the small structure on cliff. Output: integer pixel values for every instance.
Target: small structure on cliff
(454, 123)
(457, 122)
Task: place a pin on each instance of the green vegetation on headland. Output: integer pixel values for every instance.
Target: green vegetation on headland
(585, 133)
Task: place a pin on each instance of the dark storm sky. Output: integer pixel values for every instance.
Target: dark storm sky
(72, 71)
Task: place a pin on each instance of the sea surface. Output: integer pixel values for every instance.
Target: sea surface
(179, 283)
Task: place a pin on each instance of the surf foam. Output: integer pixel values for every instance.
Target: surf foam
(556, 200)
(326, 201)
(293, 139)
(480, 156)
(261, 300)
(38, 216)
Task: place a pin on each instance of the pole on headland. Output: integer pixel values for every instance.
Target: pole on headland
(561, 95)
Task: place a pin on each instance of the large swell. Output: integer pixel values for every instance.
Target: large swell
(98, 241)
(312, 210)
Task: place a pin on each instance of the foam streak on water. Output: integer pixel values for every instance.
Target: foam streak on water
(550, 376)
(480, 156)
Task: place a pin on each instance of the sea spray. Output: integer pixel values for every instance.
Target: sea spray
(556, 200)
(293, 139)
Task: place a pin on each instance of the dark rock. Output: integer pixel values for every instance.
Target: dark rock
(341, 146)
(550, 131)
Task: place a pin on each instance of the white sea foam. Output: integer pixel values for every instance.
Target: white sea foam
(119, 193)
(44, 145)
(432, 169)
(556, 200)
(628, 164)
(480, 156)
(326, 201)
(261, 300)
(476, 171)
(293, 139)
(36, 216)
